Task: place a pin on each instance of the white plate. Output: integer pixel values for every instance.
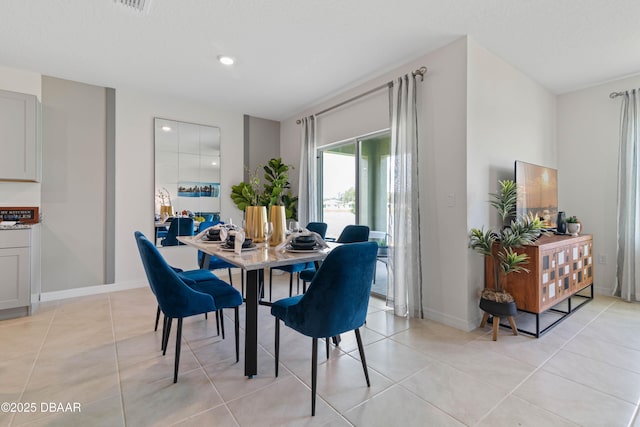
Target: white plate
(213, 242)
(302, 251)
(250, 248)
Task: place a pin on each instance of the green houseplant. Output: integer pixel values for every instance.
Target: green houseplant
(501, 245)
(274, 196)
(275, 190)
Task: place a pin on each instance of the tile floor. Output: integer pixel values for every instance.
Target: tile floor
(102, 353)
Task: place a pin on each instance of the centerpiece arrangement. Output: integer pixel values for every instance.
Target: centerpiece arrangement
(500, 247)
(274, 194)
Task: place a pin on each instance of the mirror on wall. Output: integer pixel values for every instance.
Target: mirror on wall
(187, 174)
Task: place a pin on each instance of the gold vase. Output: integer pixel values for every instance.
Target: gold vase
(277, 216)
(255, 218)
(166, 212)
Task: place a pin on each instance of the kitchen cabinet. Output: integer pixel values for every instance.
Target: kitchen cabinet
(20, 137)
(20, 267)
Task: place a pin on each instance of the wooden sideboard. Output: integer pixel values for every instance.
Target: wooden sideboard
(559, 267)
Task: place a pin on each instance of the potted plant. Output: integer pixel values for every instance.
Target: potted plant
(500, 246)
(275, 194)
(573, 225)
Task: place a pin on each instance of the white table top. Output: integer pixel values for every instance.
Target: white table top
(259, 258)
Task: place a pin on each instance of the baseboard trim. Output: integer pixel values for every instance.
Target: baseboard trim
(90, 290)
(448, 320)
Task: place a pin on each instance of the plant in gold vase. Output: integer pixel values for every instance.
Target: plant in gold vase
(275, 195)
(501, 248)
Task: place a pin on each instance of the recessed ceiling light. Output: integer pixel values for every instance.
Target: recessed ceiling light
(213, 163)
(166, 128)
(226, 60)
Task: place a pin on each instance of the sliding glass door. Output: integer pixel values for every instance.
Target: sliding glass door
(354, 189)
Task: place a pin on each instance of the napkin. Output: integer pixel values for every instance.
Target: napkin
(238, 241)
(221, 227)
(319, 240)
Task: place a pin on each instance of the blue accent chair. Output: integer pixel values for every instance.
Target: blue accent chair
(336, 302)
(180, 297)
(350, 234)
(178, 227)
(316, 227)
(215, 263)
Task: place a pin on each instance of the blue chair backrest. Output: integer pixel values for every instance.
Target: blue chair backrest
(175, 298)
(203, 226)
(178, 227)
(353, 234)
(318, 227)
(338, 297)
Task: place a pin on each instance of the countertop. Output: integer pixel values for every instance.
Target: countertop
(16, 227)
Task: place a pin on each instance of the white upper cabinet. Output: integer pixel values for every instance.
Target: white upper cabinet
(19, 137)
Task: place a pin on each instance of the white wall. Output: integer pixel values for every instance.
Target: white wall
(20, 193)
(588, 137)
(510, 117)
(135, 171)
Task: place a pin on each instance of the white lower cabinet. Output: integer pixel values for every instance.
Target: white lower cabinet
(18, 259)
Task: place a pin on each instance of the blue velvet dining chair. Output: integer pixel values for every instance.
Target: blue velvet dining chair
(350, 234)
(179, 297)
(336, 302)
(198, 275)
(216, 263)
(316, 227)
(178, 227)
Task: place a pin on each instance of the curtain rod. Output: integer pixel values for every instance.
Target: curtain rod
(419, 72)
(615, 94)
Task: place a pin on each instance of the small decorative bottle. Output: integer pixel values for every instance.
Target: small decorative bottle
(561, 228)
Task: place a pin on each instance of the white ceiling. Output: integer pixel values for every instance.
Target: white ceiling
(292, 53)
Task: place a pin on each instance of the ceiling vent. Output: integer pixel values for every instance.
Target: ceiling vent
(137, 5)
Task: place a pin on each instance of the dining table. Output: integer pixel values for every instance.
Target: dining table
(253, 261)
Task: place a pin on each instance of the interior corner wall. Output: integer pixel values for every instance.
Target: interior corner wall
(510, 117)
(73, 206)
(262, 142)
(588, 132)
(20, 193)
(135, 112)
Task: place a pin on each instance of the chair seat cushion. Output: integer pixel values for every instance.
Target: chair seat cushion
(280, 307)
(217, 263)
(198, 275)
(224, 295)
(295, 268)
(307, 275)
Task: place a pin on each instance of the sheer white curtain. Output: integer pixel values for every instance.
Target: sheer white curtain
(405, 272)
(628, 260)
(307, 183)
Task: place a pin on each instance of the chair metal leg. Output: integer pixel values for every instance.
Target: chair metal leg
(326, 341)
(166, 336)
(362, 358)
(157, 319)
(164, 331)
(178, 339)
(298, 283)
(221, 322)
(237, 332)
(277, 338)
(314, 374)
(230, 278)
(242, 282)
(217, 323)
(304, 286)
(290, 284)
(270, 282)
(206, 316)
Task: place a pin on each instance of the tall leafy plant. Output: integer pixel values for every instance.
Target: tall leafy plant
(501, 245)
(275, 190)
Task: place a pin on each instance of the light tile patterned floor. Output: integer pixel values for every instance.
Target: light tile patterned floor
(101, 352)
